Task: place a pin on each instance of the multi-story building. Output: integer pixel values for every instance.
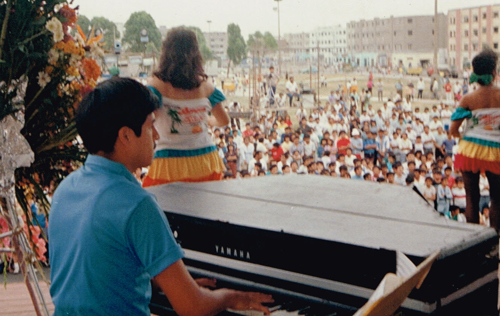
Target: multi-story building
(217, 42)
(297, 47)
(469, 30)
(331, 42)
(395, 41)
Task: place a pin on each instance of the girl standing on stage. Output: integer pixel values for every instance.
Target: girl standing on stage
(479, 147)
(185, 150)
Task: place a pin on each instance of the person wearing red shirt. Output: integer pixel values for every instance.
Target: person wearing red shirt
(248, 131)
(343, 143)
(276, 152)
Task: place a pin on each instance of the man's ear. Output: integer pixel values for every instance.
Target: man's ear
(124, 135)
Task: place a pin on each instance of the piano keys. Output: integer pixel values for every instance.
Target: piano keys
(324, 244)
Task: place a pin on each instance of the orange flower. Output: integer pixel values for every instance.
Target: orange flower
(75, 85)
(72, 71)
(90, 69)
(49, 70)
(69, 48)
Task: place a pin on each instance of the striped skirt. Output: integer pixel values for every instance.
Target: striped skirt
(476, 155)
(182, 165)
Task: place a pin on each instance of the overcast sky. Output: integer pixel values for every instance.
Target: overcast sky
(260, 15)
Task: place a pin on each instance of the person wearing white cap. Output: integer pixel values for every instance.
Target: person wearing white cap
(356, 143)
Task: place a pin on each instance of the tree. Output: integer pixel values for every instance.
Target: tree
(133, 27)
(236, 47)
(107, 28)
(206, 53)
(84, 24)
(261, 44)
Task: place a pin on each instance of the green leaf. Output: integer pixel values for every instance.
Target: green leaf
(40, 21)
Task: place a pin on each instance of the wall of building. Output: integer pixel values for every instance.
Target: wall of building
(469, 30)
(393, 35)
(217, 42)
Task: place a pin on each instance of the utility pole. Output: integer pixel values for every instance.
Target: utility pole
(435, 61)
(279, 38)
(317, 94)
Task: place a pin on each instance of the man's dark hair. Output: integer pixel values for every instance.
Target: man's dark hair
(113, 104)
(181, 63)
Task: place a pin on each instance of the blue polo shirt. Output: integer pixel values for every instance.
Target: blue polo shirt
(108, 238)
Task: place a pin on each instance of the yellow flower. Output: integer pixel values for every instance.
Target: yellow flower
(55, 27)
(72, 71)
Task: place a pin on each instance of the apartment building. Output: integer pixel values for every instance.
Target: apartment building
(471, 29)
(331, 42)
(217, 42)
(298, 49)
(395, 41)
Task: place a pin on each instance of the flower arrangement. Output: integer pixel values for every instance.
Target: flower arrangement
(44, 73)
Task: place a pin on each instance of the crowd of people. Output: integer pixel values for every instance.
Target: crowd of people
(347, 137)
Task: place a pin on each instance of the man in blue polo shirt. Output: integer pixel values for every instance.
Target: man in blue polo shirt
(108, 235)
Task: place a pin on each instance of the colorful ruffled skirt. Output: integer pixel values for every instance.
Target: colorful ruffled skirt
(477, 155)
(185, 166)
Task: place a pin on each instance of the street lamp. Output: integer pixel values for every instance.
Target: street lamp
(279, 38)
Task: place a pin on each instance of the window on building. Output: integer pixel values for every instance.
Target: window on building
(466, 19)
(484, 15)
(474, 47)
(476, 33)
(451, 34)
(475, 18)
(394, 33)
(466, 46)
(409, 46)
(484, 30)
(466, 33)
(495, 14)
(410, 32)
(495, 45)
(495, 30)
(410, 20)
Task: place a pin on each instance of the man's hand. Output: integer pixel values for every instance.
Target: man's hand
(248, 301)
